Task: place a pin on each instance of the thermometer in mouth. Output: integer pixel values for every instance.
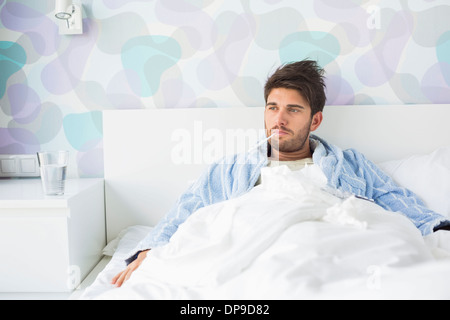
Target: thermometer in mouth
(263, 141)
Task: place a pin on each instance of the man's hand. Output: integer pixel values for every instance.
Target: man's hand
(123, 276)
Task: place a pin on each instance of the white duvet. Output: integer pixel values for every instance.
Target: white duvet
(290, 239)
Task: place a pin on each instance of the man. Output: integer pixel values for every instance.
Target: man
(295, 98)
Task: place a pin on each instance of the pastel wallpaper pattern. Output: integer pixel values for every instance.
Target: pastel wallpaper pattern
(138, 54)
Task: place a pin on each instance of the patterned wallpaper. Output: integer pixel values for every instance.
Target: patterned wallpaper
(204, 53)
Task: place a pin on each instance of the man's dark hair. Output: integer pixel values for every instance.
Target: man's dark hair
(306, 76)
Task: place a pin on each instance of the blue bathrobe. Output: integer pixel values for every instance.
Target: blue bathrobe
(347, 171)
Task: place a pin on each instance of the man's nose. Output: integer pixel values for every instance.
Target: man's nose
(281, 118)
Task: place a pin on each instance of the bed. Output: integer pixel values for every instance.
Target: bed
(258, 246)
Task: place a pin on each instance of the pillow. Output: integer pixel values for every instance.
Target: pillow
(127, 239)
(428, 176)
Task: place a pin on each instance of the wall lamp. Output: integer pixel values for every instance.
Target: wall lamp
(70, 17)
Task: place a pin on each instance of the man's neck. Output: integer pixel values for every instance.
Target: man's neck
(290, 156)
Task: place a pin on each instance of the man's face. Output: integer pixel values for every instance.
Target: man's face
(289, 114)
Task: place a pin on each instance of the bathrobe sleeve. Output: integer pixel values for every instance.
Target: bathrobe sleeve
(230, 177)
(392, 197)
(198, 195)
(351, 172)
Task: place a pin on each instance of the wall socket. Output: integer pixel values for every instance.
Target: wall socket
(19, 166)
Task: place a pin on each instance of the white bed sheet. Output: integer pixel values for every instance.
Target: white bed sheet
(119, 250)
(336, 249)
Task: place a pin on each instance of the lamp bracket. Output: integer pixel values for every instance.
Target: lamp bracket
(74, 24)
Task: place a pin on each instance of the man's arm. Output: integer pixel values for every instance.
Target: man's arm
(350, 171)
(392, 197)
(208, 189)
(188, 203)
(230, 177)
(161, 234)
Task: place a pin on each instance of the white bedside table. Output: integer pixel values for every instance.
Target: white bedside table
(49, 244)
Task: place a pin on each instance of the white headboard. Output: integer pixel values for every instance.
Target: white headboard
(151, 155)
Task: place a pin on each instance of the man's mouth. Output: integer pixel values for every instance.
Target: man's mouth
(280, 132)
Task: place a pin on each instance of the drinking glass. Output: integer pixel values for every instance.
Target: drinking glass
(53, 166)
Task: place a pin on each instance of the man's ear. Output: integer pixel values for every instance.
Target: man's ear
(316, 121)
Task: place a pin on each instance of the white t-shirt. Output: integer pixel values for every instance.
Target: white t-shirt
(293, 165)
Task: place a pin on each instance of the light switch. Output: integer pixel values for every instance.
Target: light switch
(19, 166)
(28, 165)
(8, 166)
